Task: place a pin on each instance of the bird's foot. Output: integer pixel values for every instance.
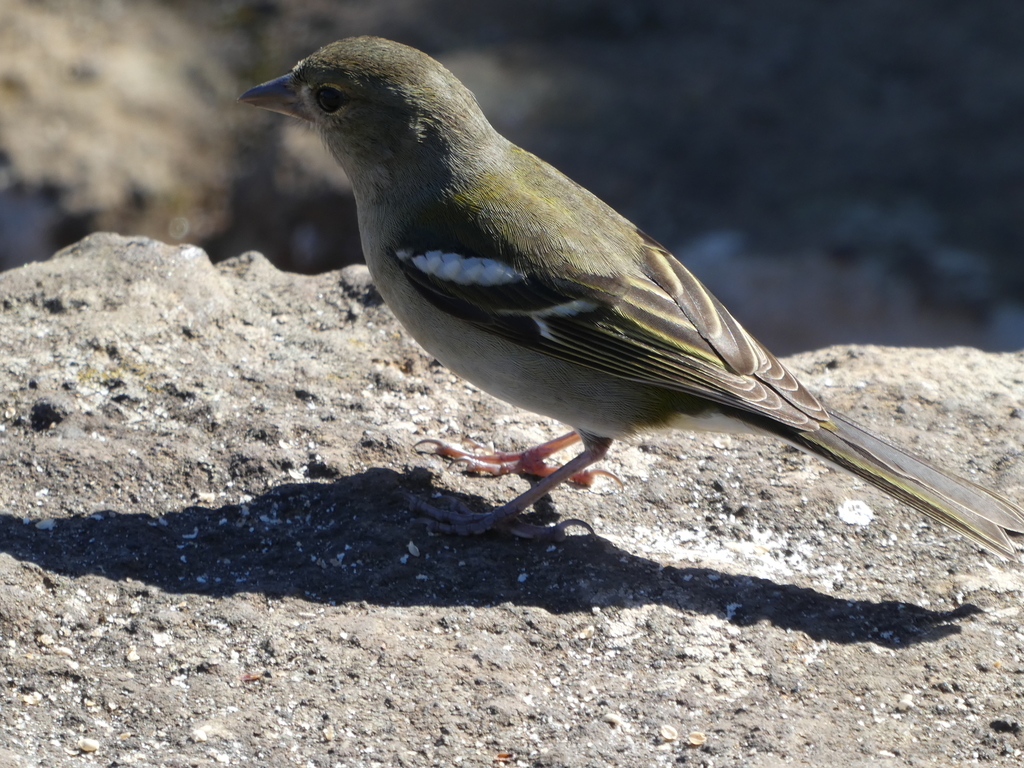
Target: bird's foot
(456, 518)
(533, 461)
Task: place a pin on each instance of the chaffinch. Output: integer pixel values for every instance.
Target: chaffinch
(527, 285)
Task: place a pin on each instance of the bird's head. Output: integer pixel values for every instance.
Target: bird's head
(384, 110)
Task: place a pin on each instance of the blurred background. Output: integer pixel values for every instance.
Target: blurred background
(835, 172)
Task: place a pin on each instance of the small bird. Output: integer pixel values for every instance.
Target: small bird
(530, 287)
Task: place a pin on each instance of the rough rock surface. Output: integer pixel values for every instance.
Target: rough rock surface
(206, 556)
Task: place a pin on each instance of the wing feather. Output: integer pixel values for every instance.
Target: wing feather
(658, 326)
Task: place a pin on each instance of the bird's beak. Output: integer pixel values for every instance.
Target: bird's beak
(276, 95)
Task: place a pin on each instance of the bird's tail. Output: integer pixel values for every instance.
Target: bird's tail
(978, 513)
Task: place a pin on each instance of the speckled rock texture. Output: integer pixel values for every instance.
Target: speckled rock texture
(206, 553)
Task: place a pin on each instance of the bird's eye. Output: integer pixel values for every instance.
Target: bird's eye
(330, 99)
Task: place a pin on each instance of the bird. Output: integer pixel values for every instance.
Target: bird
(530, 287)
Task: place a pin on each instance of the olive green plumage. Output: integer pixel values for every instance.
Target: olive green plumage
(529, 286)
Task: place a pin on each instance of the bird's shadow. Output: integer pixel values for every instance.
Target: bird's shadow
(351, 540)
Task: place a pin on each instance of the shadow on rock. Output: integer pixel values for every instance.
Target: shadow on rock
(353, 540)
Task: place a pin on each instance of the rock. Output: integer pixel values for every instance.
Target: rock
(225, 454)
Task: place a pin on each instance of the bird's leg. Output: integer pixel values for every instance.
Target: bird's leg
(532, 461)
(461, 520)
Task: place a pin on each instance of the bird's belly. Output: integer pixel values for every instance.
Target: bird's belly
(584, 398)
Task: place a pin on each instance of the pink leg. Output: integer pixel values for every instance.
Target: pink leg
(461, 520)
(532, 461)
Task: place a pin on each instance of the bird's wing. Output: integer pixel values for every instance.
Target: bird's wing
(655, 325)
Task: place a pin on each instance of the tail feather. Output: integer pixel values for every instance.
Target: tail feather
(978, 513)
